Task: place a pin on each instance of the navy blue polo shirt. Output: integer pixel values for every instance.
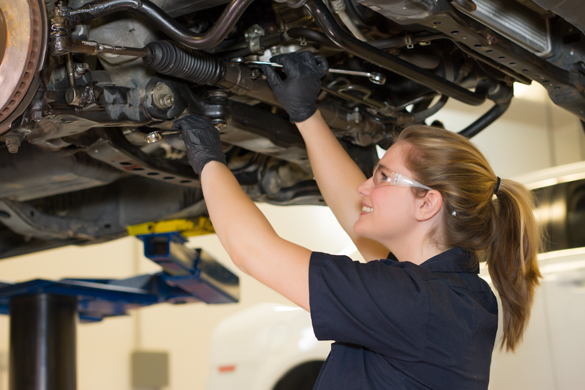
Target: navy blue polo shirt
(398, 325)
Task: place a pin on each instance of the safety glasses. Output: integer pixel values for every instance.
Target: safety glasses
(385, 177)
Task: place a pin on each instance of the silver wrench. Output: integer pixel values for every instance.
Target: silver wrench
(374, 77)
(156, 136)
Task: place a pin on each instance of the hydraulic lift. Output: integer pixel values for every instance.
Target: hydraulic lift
(43, 313)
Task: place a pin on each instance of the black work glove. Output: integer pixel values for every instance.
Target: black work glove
(202, 141)
(298, 92)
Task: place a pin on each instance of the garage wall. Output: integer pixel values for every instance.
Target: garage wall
(102, 349)
(532, 135)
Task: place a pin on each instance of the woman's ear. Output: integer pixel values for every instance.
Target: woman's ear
(429, 205)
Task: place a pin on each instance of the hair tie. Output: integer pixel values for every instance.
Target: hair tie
(498, 180)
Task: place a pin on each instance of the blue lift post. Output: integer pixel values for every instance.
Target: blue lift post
(43, 312)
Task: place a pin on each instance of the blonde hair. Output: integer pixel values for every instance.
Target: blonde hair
(501, 230)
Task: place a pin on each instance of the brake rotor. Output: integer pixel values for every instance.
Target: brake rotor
(22, 41)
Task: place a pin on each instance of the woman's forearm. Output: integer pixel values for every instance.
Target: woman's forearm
(338, 177)
(250, 240)
(236, 219)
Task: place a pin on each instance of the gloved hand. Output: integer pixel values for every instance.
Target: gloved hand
(202, 141)
(298, 92)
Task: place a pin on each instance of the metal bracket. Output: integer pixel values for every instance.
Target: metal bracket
(408, 41)
(30, 222)
(118, 152)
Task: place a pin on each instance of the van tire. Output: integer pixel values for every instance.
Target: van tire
(301, 377)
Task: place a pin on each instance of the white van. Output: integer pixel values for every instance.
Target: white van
(272, 347)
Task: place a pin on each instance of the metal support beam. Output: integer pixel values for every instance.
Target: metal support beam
(43, 342)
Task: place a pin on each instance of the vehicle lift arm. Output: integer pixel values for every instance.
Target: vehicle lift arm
(43, 313)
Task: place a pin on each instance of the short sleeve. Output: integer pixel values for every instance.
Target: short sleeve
(382, 306)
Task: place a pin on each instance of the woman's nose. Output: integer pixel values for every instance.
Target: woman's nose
(365, 188)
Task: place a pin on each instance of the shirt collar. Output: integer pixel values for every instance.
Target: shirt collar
(453, 260)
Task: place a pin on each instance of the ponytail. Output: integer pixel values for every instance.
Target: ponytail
(511, 258)
(501, 228)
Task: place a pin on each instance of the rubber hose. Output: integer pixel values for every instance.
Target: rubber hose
(173, 59)
(487, 119)
(419, 116)
(407, 118)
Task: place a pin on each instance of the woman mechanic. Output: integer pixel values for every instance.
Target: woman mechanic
(422, 320)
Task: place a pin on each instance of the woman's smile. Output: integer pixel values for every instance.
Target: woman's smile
(366, 209)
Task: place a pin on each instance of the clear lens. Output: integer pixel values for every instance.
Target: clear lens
(386, 177)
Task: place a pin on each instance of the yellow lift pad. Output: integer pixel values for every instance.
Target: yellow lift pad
(186, 227)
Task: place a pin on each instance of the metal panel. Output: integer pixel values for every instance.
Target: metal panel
(35, 173)
(570, 10)
(516, 22)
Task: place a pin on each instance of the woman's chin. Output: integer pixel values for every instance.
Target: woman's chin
(360, 229)
(357, 228)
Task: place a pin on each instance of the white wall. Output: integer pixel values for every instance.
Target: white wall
(102, 348)
(532, 135)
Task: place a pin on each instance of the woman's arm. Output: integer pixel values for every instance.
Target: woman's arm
(250, 240)
(242, 229)
(338, 177)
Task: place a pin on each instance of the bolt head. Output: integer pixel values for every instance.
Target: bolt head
(377, 78)
(169, 100)
(254, 74)
(73, 97)
(162, 96)
(219, 123)
(153, 137)
(12, 143)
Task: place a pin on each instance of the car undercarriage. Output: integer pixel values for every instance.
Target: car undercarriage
(90, 91)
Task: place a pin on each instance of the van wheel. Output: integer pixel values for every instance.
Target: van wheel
(302, 377)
